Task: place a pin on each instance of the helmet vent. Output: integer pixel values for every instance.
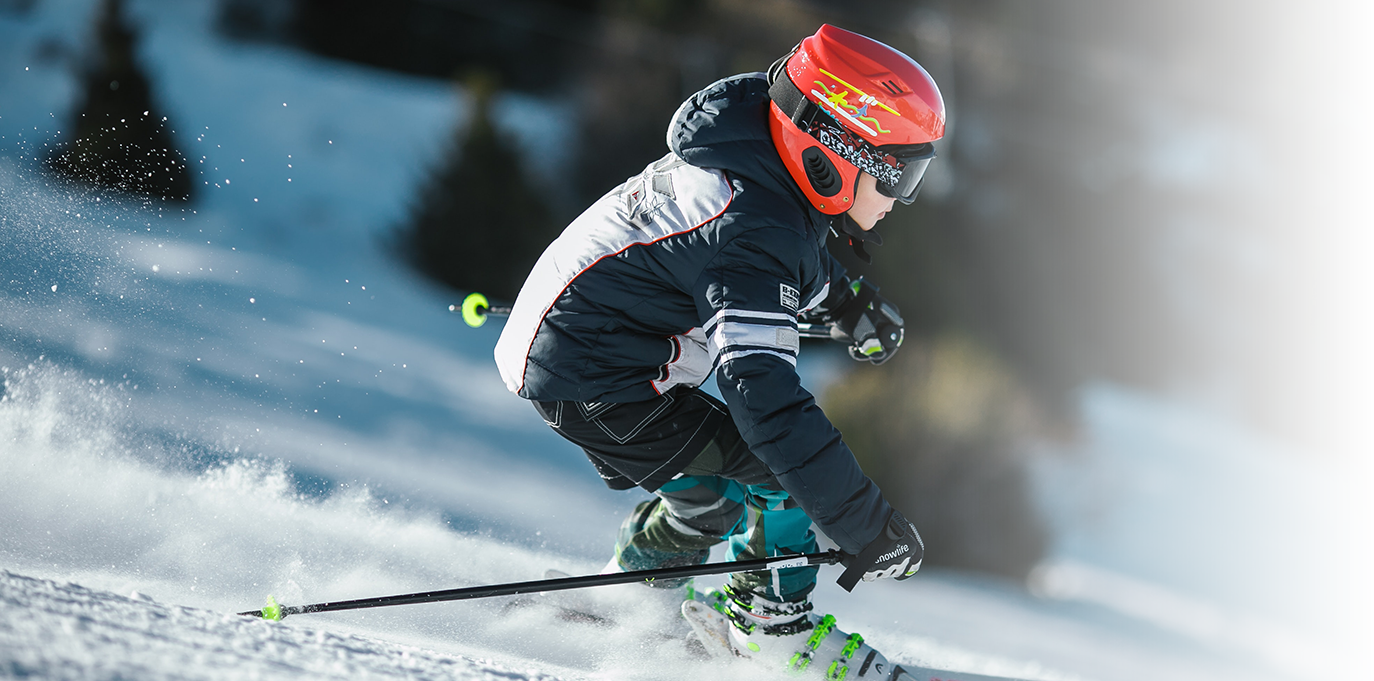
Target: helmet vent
(822, 174)
(892, 87)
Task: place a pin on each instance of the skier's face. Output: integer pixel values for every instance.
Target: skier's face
(869, 205)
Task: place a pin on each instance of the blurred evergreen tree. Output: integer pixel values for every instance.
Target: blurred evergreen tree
(1037, 246)
(530, 44)
(119, 140)
(479, 223)
(650, 56)
(1073, 290)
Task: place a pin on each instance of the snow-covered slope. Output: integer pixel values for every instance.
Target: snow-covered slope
(253, 397)
(97, 635)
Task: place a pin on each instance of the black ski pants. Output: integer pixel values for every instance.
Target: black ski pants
(684, 447)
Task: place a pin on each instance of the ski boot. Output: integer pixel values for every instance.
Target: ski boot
(790, 636)
(647, 541)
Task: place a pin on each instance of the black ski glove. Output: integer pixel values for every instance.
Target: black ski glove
(871, 323)
(897, 552)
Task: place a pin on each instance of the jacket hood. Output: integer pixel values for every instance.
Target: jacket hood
(725, 126)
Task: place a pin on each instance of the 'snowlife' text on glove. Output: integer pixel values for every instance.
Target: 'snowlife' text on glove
(896, 552)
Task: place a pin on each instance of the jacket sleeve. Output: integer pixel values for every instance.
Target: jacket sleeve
(748, 299)
(839, 294)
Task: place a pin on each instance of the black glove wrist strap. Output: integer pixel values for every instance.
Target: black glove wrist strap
(854, 570)
(860, 563)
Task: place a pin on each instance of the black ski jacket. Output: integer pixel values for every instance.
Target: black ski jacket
(702, 262)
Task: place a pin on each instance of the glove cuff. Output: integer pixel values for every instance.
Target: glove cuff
(847, 314)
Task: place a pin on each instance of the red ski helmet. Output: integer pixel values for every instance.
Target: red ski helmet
(843, 103)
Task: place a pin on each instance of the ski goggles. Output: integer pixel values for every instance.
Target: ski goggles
(899, 168)
(912, 161)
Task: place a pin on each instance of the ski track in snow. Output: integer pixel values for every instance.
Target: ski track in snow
(252, 398)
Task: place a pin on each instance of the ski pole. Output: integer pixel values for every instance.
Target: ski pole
(273, 611)
(817, 331)
(475, 309)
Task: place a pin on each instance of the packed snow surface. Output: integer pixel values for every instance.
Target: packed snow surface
(251, 396)
(94, 635)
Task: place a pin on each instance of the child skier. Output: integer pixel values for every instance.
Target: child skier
(706, 262)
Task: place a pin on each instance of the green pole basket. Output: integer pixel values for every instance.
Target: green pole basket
(475, 308)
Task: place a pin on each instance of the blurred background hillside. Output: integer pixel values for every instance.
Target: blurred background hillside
(1164, 196)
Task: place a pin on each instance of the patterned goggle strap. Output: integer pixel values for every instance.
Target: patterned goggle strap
(899, 169)
(855, 149)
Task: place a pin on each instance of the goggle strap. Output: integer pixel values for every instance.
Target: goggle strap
(791, 101)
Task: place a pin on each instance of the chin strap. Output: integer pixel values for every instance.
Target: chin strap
(857, 235)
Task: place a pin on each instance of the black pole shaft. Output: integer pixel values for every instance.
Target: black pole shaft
(814, 331)
(827, 558)
(804, 330)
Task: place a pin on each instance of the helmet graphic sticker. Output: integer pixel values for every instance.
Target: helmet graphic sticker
(839, 101)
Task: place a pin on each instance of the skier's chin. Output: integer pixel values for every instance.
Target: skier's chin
(866, 225)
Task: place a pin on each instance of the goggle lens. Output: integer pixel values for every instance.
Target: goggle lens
(909, 184)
